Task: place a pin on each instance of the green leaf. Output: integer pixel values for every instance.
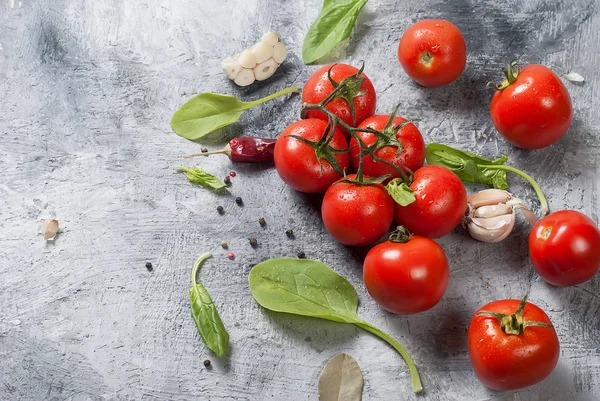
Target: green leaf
(310, 288)
(205, 314)
(333, 25)
(468, 166)
(208, 112)
(198, 176)
(401, 192)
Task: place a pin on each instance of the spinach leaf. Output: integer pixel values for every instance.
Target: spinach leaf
(205, 314)
(401, 192)
(468, 166)
(198, 176)
(208, 112)
(310, 288)
(333, 25)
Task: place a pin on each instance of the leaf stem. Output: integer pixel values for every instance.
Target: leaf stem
(291, 89)
(536, 187)
(197, 264)
(414, 373)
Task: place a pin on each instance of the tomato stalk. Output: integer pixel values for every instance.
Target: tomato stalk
(400, 235)
(511, 74)
(514, 323)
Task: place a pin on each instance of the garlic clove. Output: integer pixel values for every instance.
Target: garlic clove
(231, 67)
(49, 229)
(279, 52)
(262, 52)
(492, 210)
(247, 59)
(491, 229)
(488, 197)
(245, 77)
(270, 39)
(265, 69)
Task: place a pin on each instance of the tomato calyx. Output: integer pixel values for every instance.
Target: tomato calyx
(387, 136)
(323, 149)
(511, 74)
(514, 324)
(400, 235)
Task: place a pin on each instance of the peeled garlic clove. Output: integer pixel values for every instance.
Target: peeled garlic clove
(488, 197)
(265, 69)
(492, 210)
(270, 39)
(491, 229)
(247, 59)
(245, 77)
(279, 52)
(262, 52)
(231, 67)
(49, 229)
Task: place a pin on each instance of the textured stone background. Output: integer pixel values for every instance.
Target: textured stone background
(87, 90)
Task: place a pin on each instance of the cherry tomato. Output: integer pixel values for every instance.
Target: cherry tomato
(297, 163)
(407, 277)
(412, 156)
(534, 110)
(441, 202)
(565, 248)
(357, 214)
(505, 361)
(433, 52)
(318, 87)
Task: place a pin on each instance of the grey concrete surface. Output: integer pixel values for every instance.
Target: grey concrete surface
(87, 90)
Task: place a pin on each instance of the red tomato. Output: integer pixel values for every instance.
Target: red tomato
(511, 361)
(318, 87)
(433, 52)
(441, 202)
(357, 214)
(534, 111)
(408, 277)
(412, 156)
(297, 163)
(565, 248)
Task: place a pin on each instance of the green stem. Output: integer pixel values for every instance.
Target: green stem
(415, 378)
(199, 261)
(536, 187)
(291, 89)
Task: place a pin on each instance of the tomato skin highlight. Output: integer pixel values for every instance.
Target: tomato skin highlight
(433, 52)
(507, 361)
(412, 156)
(296, 162)
(533, 112)
(406, 278)
(565, 248)
(441, 202)
(318, 87)
(357, 215)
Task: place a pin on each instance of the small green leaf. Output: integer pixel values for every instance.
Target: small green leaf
(468, 166)
(205, 314)
(198, 176)
(401, 192)
(333, 25)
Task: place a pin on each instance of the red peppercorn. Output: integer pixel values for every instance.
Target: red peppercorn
(232, 173)
(230, 255)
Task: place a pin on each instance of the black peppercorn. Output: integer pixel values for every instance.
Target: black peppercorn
(149, 266)
(262, 222)
(220, 209)
(225, 245)
(227, 180)
(290, 233)
(239, 201)
(253, 242)
(207, 363)
(301, 255)
(203, 150)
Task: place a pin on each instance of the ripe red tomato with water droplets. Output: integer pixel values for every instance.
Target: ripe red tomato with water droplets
(441, 202)
(296, 162)
(534, 109)
(565, 248)
(412, 155)
(433, 52)
(509, 361)
(406, 277)
(318, 87)
(357, 214)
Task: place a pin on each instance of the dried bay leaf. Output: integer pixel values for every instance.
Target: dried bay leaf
(341, 380)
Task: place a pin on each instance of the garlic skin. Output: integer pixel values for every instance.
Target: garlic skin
(257, 63)
(491, 214)
(49, 229)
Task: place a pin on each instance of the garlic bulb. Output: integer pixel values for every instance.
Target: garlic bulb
(257, 63)
(491, 214)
